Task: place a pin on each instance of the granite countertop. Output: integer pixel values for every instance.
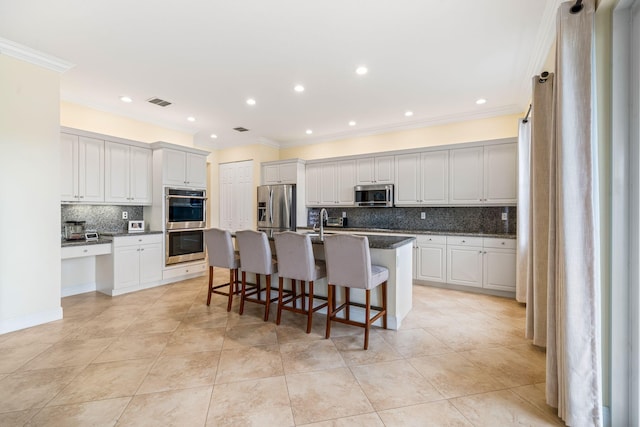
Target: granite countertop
(416, 232)
(377, 242)
(106, 237)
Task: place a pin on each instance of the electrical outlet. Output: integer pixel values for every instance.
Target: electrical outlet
(125, 215)
(504, 216)
(344, 214)
(423, 215)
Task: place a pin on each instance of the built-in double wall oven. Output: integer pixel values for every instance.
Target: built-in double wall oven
(185, 213)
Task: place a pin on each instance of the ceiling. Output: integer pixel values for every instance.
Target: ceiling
(432, 57)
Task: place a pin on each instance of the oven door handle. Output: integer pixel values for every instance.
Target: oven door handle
(186, 197)
(179, 230)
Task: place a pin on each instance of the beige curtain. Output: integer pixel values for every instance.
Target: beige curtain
(524, 211)
(563, 289)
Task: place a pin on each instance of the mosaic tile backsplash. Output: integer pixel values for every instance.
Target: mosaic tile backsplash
(446, 219)
(101, 218)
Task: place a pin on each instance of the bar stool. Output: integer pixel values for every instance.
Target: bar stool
(296, 262)
(222, 254)
(349, 265)
(255, 256)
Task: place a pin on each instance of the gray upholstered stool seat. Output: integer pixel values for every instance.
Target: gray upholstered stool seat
(296, 262)
(255, 256)
(349, 265)
(222, 254)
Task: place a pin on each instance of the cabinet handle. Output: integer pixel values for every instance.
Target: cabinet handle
(142, 249)
(479, 252)
(502, 243)
(464, 241)
(82, 197)
(86, 250)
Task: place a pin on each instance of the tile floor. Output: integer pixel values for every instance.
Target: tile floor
(162, 357)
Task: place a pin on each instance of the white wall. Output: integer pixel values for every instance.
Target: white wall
(29, 195)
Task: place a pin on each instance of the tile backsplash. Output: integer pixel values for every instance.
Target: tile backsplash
(482, 219)
(104, 218)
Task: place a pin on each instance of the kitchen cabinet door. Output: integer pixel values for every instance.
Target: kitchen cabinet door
(140, 175)
(68, 167)
(126, 266)
(375, 170)
(174, 164)
(499, 269)
(196, 170)
(346, 180)
(501, 174)
(466, 176)
(271, 174)
(117, 169)
(431, 263)
(288, 173)
(464, 265)
(407, 188)
(312, 182)
(328, 183)
(434, 177)
(150, 263)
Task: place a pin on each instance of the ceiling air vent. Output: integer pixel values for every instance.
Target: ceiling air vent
(158, 101)
(241, 129)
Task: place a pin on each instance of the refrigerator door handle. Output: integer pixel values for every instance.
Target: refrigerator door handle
(271, 205)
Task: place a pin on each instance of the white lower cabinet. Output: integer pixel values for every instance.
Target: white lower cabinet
(464, 261)
(431, 258)
(136, 264)
(499, 264)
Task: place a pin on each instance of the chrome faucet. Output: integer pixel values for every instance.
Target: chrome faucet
(323, 215)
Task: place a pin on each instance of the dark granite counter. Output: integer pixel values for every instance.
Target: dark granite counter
(105, 237)
(414, 232)
(376, 241)
(100, 241)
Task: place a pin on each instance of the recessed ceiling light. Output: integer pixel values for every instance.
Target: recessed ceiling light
(298, 88)
(352, 123)
(309, 132)
(126, 99)
(214, 136)
(408, 113)
(481, 101)
(251, 101)
(191, 119)
(362, 70)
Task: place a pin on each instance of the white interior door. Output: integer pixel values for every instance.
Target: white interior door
(237, 195)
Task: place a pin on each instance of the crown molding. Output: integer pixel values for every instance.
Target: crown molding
(434, 121)
(35, 57)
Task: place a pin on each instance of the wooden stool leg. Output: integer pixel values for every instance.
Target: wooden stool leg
(367, 318)
(258, 285)
(243, 292)
(231, 286)
(330, 303)
(210, 284)
(267, 298)
(384, 304)
(347, 299)
(310, 310)
(294, 302)
(280, 291)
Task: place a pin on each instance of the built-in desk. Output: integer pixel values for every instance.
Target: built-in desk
(78, 273)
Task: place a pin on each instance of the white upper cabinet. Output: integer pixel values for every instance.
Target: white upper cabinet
(284, 173)
(127, 174)
(484, 175)
(331, 183)
(422, 178)
(82, 169)
(182, 168)
(346, 173)
(375, 170)
(501, 174)
(313, 172)
(465, 175)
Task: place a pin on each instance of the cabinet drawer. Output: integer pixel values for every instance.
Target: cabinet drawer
(184, 270)
(464, 241)
(88, 250)
(143, 239)
(499, 243)
(431, 240)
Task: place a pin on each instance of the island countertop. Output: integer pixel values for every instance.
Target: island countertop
(364, 231)
(376, 241)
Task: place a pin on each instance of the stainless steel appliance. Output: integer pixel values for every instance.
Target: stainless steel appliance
(185, 208)
(184, 245)
(336, 222)
(74, 230)
(277, 207)
(374, 195)
(185, 219)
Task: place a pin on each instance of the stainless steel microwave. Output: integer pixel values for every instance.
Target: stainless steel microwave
(376, 196)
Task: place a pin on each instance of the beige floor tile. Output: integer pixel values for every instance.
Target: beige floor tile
(323, 395)
(313, 355)
(43, 334)
(510, 366)
(152, 325)
(352, 351)
(249, 363)
(181, 371)
(170, 408)
(33, 389)
(98, 413)
(195, 340)
(12, 358)
(250, 335)
(414, 342)
(252, 314)
(502, 408)
(105, 381)
(441, 414)
(535, 394)
(134, 347)
(394, 384)
(17, 418)
(453, 375)
(205, 320)
(263, 402)
(293, 327)
(101, 328)
(69, 353)
(364, 420)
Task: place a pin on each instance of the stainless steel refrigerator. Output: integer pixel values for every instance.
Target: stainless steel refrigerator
(277, 208)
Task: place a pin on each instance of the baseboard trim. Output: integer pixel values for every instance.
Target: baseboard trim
(35, 319)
